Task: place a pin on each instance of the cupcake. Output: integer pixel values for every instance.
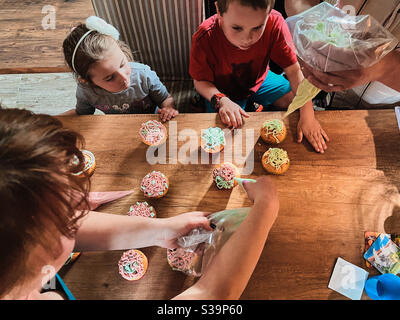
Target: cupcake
(155, 184)
(142, 209)
(153, 133)
(273, 131)
(212, 140)
(90, 164)
(275, 161)
(133, 265)
(223, 175)
(180, 259)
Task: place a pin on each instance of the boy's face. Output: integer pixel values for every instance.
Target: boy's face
(242, 25)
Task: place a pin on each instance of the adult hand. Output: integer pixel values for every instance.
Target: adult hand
(231, 113)
(312, 130)
(344, 80)
(180, 225)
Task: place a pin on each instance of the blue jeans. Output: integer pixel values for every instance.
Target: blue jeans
(273, 88)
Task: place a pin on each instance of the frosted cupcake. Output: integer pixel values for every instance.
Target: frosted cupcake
(273, 131)
(180, 260)
(155, 184)
(224, 175)
(212, 140)
(90, 164)
(133, 265)
(142, 209)
(275, 161)
(153, 133)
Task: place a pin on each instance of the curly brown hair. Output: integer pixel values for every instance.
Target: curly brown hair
(255, 4)
(38, 192)
(91, 50)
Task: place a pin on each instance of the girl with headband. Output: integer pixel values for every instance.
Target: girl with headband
(108, 79)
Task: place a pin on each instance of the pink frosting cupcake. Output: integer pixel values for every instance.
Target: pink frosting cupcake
(153, 133)
(133, 265)
(155, 184)
(142, 209)
(179, 259)
(223, 175)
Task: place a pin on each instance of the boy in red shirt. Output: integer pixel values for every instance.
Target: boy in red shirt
(229, 64)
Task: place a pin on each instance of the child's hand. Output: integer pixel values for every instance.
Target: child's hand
(180, 225)
(167, 113)
(231, 113)
(311, 129)
(262, 190)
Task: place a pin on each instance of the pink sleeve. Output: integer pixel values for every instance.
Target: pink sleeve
(283, 51)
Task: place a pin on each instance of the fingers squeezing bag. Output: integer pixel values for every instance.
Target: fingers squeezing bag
(328, 39)
(200, 246)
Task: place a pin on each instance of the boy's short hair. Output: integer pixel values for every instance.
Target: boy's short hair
(255, 4)
(35, 190)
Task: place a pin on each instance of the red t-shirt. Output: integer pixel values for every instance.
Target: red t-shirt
(235, 72)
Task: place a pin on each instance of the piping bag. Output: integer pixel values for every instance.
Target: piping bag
(203, 244)
(96, 199)
(240, 181)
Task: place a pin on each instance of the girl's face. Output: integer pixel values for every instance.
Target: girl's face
(242, 25)
(112, 73)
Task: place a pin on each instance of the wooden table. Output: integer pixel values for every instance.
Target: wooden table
(25, 46)
(327, 201)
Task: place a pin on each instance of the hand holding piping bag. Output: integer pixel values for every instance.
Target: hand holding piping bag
(240, 181)
(260, 190)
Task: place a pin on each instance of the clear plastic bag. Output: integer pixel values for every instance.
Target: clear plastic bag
(328, 39)
(202, 245)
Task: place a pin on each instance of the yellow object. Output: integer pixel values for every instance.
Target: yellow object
(305, 92)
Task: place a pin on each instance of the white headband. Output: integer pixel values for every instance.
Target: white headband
(94, 23)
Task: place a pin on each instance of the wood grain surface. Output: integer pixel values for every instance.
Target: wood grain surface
(25, 46)
(327, 201)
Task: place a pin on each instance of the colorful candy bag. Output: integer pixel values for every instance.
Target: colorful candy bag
(204, 244)
(328, 39)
